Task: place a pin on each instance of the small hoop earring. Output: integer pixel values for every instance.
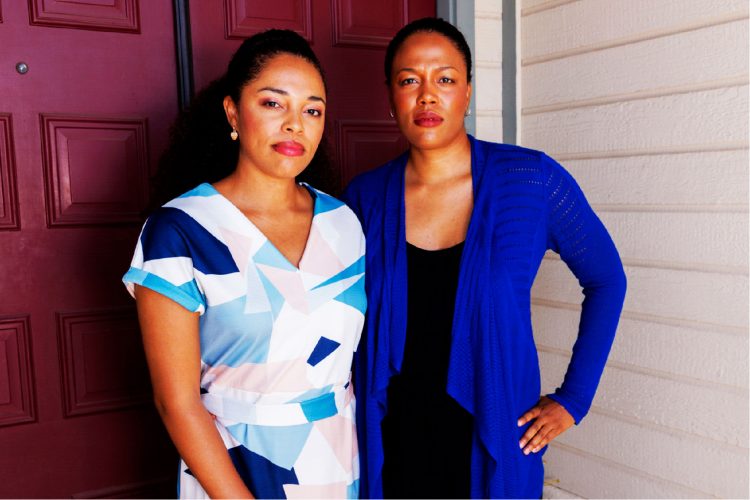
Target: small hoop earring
(468, 112)
(390, 112)
(233, 134)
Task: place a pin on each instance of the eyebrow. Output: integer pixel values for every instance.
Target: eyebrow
(284, 92)
(439, 69)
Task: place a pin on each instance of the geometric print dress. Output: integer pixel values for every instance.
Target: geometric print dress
(276, 340)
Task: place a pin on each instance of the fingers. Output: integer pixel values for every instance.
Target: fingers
(550, 419)
(530, 415)
(540, 439)
(536, 436)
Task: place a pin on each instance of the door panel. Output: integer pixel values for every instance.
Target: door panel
(80, 132)
(8, 195)
(357, 24)
(244, 18)
(17, 390)
(117, 15)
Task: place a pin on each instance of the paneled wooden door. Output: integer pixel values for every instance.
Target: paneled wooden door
(349, 37)
(87, 90)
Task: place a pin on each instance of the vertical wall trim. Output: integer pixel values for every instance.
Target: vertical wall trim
(447, 10)
(510, 123)
(184, 52)
(460, 13)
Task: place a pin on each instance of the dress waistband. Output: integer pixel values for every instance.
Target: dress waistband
(293, 413)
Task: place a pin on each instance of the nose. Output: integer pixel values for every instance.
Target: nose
(293, 123)
(426, 94)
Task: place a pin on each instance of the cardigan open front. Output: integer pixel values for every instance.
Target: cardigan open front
(524, 204)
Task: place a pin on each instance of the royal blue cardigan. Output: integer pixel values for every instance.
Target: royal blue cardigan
(524, 204)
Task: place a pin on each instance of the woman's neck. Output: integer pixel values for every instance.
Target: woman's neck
(434, 166)
(253, 192)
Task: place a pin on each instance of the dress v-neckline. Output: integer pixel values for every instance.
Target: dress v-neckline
(255, 228)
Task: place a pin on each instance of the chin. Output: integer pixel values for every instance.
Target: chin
(429, 139)
(292, 168)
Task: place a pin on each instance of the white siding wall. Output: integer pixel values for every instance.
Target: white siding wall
(646, 103)
(488, 77)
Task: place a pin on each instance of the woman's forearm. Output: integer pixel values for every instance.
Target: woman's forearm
(197, 439)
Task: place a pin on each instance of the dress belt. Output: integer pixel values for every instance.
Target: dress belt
(293, 413)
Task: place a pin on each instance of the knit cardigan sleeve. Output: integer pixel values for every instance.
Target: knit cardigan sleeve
(578, 236)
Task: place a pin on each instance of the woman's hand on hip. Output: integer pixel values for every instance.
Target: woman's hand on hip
(550, 419)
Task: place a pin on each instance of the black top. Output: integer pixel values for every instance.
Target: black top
(426, 434)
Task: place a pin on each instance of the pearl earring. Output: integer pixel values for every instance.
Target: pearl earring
(233, 134)
(390, 112)
(468, 112)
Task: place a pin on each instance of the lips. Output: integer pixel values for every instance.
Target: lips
(289, 148)
(428, 119)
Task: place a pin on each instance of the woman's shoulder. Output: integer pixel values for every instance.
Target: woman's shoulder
(513, 158)
(331, 207)
(325, 202)
(506, 152)
(374, 183)
(184, 211)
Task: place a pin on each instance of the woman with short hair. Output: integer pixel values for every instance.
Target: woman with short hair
(448, 377)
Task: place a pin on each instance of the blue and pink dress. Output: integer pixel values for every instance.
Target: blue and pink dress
(276, 340)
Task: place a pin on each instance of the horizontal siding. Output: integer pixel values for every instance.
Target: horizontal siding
(592, 477)
(701, 356)
(657, 124)
(688, 181)
(659, 451)
(652, 68)
(596, 24)
(529, 7)
(645, 103)
(708, 298)
(493, 6)
(552, 490)
(488, 77)
(489, 89)
(695, 411)
(489, 126)
(699, 241)
(488, 33)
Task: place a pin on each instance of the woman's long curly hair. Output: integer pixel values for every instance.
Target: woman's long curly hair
(200, 149)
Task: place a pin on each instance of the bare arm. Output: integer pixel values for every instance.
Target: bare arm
(172, 345)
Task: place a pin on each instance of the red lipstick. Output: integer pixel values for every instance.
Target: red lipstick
(289, 148)
(428, 119)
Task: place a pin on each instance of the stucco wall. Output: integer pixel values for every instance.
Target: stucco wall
(645, 102)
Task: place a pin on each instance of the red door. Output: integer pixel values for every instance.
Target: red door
(349, 37)
(87, 89)
(82, 122)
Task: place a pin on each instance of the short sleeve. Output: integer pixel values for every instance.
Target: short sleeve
(163, 262)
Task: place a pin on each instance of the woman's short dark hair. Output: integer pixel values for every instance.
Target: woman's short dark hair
(200, 149)
(428, 25)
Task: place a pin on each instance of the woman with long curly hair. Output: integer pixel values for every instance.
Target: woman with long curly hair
(249, 287)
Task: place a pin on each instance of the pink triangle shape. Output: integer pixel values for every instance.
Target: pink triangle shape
(318, 258)
(239, 246)
(289, 284)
